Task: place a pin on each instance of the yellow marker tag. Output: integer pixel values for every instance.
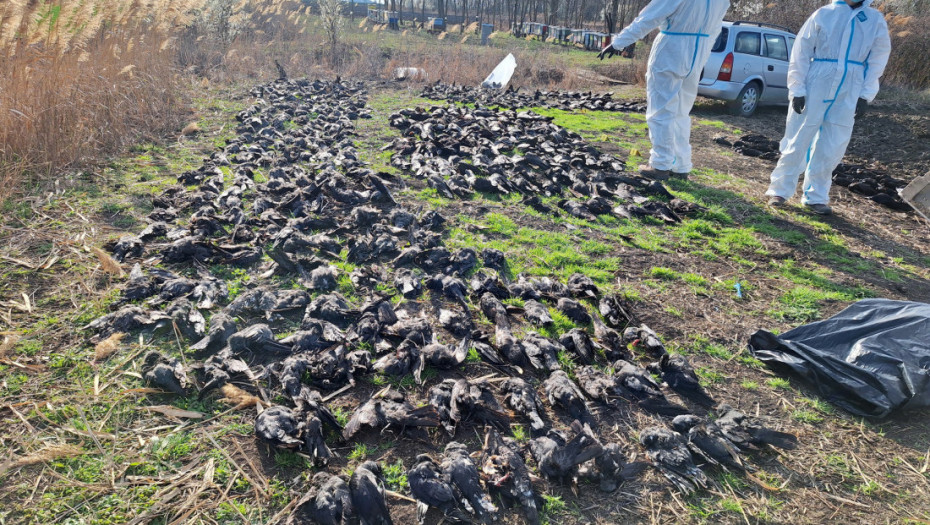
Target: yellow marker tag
(635, 152)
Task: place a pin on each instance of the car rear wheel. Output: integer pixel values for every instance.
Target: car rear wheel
(747, 101)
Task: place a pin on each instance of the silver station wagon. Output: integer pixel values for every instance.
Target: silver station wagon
(748, 66)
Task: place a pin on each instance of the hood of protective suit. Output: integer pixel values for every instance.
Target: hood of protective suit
(865, 3)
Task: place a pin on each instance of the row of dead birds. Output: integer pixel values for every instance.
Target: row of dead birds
(872, 182)
(516, 99)
(464, 490)
(338, 342)
(752, 145)
(460, 150)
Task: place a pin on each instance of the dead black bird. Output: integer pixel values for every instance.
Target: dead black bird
(267, 301)
(484, 281)
(493, 309)
(222, 326)
(328, 502)
(541, 352)
(598, 385)
(139, 286)
(577, 341)
(333, 308)
(222, 368)
(462, 262)
(748, 433)
(164, 373)
(430, 489)
(680, 377)
(388, 408)
(494, 259)
(669, 453)
(451, 287)
(367, 490)
(445, 357)
(582, 286)
(258, 340)
(537, 313)
(577, 209)
(314, 443)
(611, 468)
(642, 338)
(187, 319)
(335, 367)
(574, 311)
(408, 283)
(610, 340)
(522, 398)
(458, 323)
(405, 359)
(279, 426)
(440, 396)
(563, 392)
(615, 311)
(127, 246)
(639, 386)
(128, 319)
(474, 400)
(416, 329)
(507, 475)
(706, 440)
(323, 279)
(460, 471)
(558, 457)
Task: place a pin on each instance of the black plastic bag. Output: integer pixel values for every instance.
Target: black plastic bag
(871, 359)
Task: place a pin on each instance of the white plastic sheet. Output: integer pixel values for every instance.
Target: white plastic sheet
(500, 77)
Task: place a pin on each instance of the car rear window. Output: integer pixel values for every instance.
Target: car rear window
(775, 45)
(748, 43)
(721, 42)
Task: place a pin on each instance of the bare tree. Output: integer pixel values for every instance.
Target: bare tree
(331, 15)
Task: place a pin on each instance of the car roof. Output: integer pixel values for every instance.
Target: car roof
(743, 24)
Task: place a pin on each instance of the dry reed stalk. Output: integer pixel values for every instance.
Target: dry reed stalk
(9, 341)
(47, 453)
(191, 129)
(107, 263)
(108, 346)
(238, 398)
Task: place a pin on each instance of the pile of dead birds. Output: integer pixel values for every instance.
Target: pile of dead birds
(752, 145)
(461, 150)
(516, 99)
(370, 295)
(872, 182)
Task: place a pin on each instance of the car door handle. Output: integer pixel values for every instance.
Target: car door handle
(771, 68)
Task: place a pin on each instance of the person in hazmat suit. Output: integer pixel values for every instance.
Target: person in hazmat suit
(836, 62)
(688, 29)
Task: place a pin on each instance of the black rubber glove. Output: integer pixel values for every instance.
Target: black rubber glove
(862, 105)
(798, 104)
(607, 52)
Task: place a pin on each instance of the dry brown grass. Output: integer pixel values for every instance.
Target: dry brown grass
(910, 47)
(85, 78)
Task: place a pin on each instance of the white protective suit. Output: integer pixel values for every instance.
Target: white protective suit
(838, 57)
(688, 30)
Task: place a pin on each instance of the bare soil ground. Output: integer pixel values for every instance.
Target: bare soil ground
(126, 464)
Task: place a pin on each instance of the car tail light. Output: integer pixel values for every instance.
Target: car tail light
(726, 69)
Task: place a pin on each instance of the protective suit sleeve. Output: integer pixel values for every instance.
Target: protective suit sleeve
(651, 17)
(801, 56)
(878, 59)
